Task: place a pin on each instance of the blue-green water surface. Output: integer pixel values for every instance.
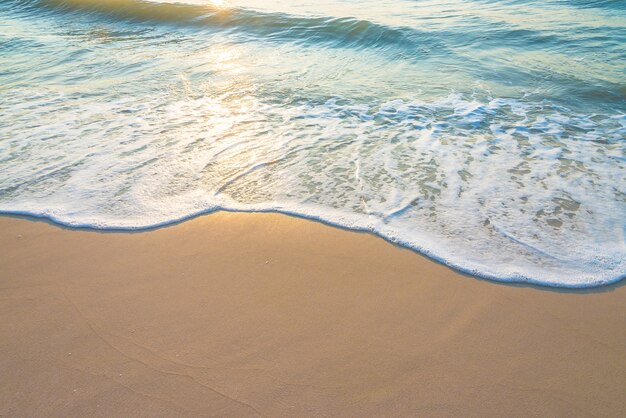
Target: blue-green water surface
(489, 135)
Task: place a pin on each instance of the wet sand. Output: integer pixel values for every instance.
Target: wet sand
(269, 315)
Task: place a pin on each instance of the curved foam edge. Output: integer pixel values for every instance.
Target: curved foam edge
(424, 251)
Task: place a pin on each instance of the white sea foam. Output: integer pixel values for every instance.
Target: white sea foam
(501, 188)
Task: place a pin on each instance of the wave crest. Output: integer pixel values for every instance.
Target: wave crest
(332, 31)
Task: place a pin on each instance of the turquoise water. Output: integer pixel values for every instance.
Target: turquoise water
(489, 135)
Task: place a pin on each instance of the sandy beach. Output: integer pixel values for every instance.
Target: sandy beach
(269, 315)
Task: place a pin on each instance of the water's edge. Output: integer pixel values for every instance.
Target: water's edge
(608, 285)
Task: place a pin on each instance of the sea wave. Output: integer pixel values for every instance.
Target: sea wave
(334, 31)
(498, 148)
(503, 189)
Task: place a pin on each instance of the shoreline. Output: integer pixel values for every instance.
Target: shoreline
(525, 281)
(257, 314)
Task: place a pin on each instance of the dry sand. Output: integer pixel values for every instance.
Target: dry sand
(268, 315)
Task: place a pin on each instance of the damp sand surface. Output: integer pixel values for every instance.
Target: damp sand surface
(268, 315)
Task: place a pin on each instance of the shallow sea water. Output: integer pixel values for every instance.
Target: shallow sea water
(489, 135)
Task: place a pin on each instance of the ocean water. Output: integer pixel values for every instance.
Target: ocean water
(489, 135)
